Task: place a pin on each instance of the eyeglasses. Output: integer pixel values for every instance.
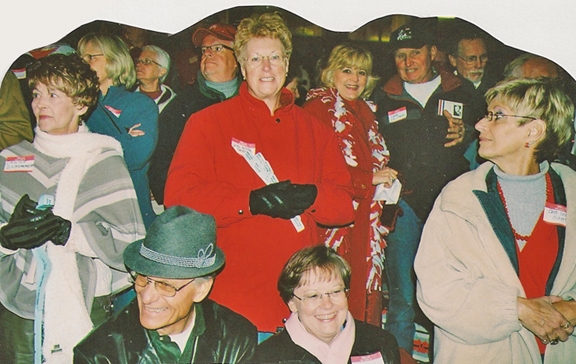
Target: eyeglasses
(147, 61)
(314, 299)
(274, 59)
(216, 48)
(496, 116)
(90, 57)
(473, 59)
(163, 288)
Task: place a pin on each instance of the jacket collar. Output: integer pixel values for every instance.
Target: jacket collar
(166, 95)
(112, 92)
(257, 105)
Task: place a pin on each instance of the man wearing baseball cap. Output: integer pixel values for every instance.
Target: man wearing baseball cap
(422, 112)
(218, 79)
(171, 321)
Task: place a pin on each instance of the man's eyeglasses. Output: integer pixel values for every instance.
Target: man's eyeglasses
(473, 59)
(216, 48)
(256, 60)
(163, 288)
(315, 299)
(90, 57)
(496, 116)
(147, 61)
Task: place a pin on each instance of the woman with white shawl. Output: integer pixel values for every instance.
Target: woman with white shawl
(67, 212)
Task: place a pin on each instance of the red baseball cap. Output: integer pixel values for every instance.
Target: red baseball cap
(219, 30)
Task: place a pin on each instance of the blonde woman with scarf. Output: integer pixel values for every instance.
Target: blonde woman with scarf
(340, 104)
(68, 210)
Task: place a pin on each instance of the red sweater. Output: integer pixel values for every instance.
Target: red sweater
(208, 175)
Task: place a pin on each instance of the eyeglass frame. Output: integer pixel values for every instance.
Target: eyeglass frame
(147, 61)
(134, 276)
(473, 59)
(203, 49)
(91, 56)
(495, 116)
(255, 63)
(329, 294)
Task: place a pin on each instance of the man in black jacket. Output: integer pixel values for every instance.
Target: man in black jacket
(170, 321)
(426, 116)
(217, 80)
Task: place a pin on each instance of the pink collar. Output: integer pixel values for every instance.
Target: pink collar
(337, 352)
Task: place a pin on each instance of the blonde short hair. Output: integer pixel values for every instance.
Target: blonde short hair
(119, 64)
(351, 56)
(267, 25)
(543, 99)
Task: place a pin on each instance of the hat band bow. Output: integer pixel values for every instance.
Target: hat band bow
(205, 258)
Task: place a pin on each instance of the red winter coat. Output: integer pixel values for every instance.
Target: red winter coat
(208, 175)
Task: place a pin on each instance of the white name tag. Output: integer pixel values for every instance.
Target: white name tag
(19, 164)
(397, 115)
(375, 358)
(555, 214)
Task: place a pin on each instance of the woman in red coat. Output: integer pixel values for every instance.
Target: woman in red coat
(265, 169)
(347, 79)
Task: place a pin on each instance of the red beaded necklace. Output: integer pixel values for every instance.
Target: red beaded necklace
(548, 197)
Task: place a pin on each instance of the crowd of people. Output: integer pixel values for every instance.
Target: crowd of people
(440, 189)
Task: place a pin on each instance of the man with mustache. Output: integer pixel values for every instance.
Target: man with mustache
(469, 57)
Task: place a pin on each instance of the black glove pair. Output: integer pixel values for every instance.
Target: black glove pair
(29, 227)
(283, 199)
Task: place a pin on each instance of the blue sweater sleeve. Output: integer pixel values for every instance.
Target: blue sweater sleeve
(138, 150)
(116, 113)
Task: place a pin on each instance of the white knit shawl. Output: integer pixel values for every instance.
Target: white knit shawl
(67, 319)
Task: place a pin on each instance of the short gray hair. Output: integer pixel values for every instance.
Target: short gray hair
(162, 57)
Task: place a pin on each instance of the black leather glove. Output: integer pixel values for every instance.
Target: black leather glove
(24, 208)
(30, 228)
(303, 196)
(283, 199)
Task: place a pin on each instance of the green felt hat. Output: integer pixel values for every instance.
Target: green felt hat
(181, 243)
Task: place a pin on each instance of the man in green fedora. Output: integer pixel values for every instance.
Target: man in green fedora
(171, 320)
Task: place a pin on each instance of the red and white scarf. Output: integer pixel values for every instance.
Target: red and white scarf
(380, 155)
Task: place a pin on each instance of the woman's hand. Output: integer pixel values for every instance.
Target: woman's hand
(540, 317)
(385, 176)
(134, 131)
(568, 309)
